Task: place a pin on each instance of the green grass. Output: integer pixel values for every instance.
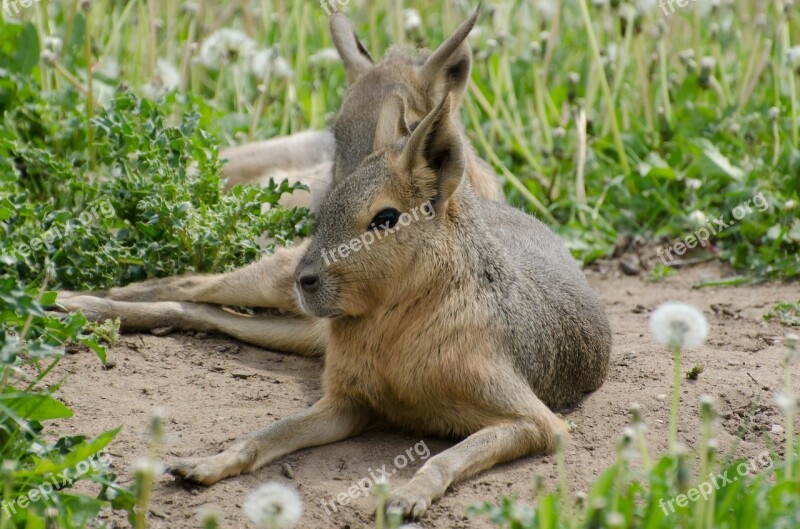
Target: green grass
(37, 467)
(605, 122)
(643, 491)
(669, 121)
(786, 313)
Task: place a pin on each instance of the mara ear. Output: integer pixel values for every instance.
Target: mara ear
(391, 123)
(448, 68)
(434, 155)
(355, 56)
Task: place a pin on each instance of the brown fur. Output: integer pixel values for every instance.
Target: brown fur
(416, 80)
(467, 323)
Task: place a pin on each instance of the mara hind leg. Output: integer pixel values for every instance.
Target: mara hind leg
(267, 283)
(301, 335)
(255, 162)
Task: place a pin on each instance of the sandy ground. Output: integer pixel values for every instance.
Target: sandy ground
(215, 389)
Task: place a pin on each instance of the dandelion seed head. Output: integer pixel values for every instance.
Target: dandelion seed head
(645, 6)
(547, 8)
(324, 57)
(693, 184)
(107, 67)
(273, 504)
(268, 64)
(678, 325)
(411, 20)
(8, 467)
(522, 513)
(793, 56)
(209, 513)
(225, 47)
(708, 62)
(615, 519)
(786, 403)
(53, 44)
(697, 218)
(49, 58)
(147, 466)
(190, 8)
(166, 78)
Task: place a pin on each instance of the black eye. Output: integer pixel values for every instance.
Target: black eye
(385, 219)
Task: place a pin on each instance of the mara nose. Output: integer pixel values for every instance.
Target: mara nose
(309, 282)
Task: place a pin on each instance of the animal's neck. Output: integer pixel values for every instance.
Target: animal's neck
(449, 263)
(480, 174)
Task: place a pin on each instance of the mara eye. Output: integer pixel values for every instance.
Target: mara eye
(385, 219)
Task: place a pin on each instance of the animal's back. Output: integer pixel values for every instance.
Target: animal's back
(554, 326)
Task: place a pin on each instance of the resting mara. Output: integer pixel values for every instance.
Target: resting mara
(471, 320)
(187, 302)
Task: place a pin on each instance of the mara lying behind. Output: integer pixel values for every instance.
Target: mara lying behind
(471, 320)
(191, 302)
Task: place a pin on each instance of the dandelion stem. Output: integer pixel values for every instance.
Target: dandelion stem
(187, 53)
(787, 44)
(89, 89)
(676, 396)
(615, 132)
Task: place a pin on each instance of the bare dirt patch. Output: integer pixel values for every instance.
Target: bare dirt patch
(216, 389)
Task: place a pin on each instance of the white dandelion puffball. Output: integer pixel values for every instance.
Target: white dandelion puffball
(793, 55)
(166, 78)
(645, 6)
(678, 325)
(411, 20)
(147, 466)
(53, 44)
(209, 513)
(697, 218)
(787, 403)
(267, 63)
(547, 8)
(273, 504)
(226, 46)
(324, 57)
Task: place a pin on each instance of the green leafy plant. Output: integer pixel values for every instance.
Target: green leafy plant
(143, 211)
(36, 474)
(786, 313)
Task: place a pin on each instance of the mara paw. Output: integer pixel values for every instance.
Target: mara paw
(411, 503)
(201, 471)
(95, 309)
